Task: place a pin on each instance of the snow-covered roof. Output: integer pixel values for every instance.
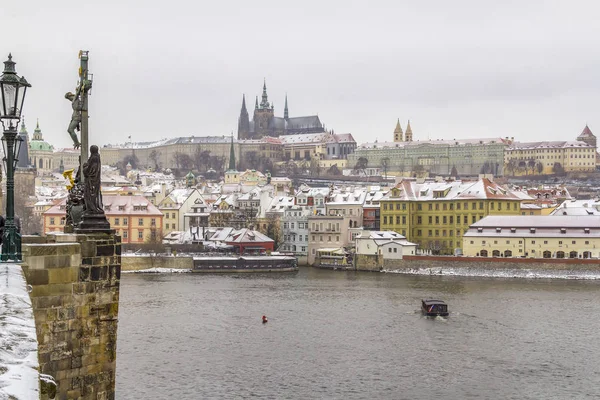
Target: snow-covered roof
(453, 190)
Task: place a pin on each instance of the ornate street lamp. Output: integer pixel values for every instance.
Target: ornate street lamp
(12, 96)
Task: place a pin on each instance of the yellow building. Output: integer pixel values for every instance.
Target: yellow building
(541, 158)
(534, 237)
(133, 218)
(174, 207)
(435, 215)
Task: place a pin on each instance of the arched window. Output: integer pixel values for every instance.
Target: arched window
(496, 253)
(484, 253)
(547, 254)
(573, 254)
(560, 254)
(508, 253)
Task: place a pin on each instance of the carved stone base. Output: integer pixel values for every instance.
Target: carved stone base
(94, 223)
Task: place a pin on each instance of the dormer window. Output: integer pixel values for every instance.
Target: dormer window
(513, 230)
(498, 230)
(479, 230)
(563, 230)
(531, 230)
(586, 230)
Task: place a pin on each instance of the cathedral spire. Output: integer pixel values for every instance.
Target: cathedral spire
(398, 135)
(286, 114)
(231, 155)
(256, 104)
(244, 104)
(243, 121)
(265, 99)
(409, 133)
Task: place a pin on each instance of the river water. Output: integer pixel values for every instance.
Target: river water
(347, 335)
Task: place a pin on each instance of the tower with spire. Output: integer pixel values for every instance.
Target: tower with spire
(286, 114)
(243, 121)
(23, 156)
(398, 134)
(587, 136)
(263, 114)
(409, 136)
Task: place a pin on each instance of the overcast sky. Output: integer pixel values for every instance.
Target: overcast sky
(461, 69)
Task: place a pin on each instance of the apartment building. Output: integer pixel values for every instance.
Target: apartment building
(534, 237)
(133, 218)
(435, 215)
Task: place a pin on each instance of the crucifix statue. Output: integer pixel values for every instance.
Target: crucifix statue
(85, 212)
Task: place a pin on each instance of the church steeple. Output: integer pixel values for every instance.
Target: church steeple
(37, 133)
(243, 121)
(409, 133)
(23, 127)
(398, 135)
(286, 114)
(256, 104)
(231, 156)
(265, 99)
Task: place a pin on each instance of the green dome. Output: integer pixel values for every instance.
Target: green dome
(40, 145)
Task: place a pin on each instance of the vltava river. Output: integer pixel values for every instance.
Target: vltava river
(345, 335)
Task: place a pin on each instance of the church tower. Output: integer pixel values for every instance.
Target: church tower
(243, 121)
(587, 136)
(398, 135)
(263, 114)
(408, 137)
(286, 114)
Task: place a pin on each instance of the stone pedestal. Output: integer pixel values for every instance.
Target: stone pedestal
(96, 223)
(75, 297)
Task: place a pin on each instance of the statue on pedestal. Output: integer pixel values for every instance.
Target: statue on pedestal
(93, 219)
(91, 173)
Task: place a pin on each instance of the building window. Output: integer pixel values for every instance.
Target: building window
(140, 221)
(429, 233)
(51, 220)
(385, 220)
(117, 221)
(153, 222)
(125, 221)
(437, 220)
(173, 215)
(397, 219)
(125, 234)
(140, 234)
(337, 238)
(430, 220)
(403, 219)
(419, 220)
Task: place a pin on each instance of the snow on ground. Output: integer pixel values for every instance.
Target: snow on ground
(158, 271)
(19, 377)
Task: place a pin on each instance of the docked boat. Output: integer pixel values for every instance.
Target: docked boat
(245, 264)
(434, 308)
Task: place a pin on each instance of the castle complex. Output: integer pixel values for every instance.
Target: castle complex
(265, 123)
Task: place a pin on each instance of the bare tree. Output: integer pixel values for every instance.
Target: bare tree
(155, 157)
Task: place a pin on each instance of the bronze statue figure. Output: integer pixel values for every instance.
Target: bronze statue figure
(91, 172)
(75, 123)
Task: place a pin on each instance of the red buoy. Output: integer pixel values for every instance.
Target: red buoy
(264, 319)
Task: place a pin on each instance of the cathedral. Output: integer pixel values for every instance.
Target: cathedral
(265, 123)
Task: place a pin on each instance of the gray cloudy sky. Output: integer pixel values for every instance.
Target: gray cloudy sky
(528, 69)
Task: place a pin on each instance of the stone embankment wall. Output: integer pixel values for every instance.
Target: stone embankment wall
(75, 297)
(377, 263)
(491, 263)
(137, 263)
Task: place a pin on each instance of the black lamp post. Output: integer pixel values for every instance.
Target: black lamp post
(12, 96)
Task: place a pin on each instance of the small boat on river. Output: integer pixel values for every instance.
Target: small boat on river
(434, 308)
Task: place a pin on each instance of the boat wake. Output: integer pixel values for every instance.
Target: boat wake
(501, 273)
